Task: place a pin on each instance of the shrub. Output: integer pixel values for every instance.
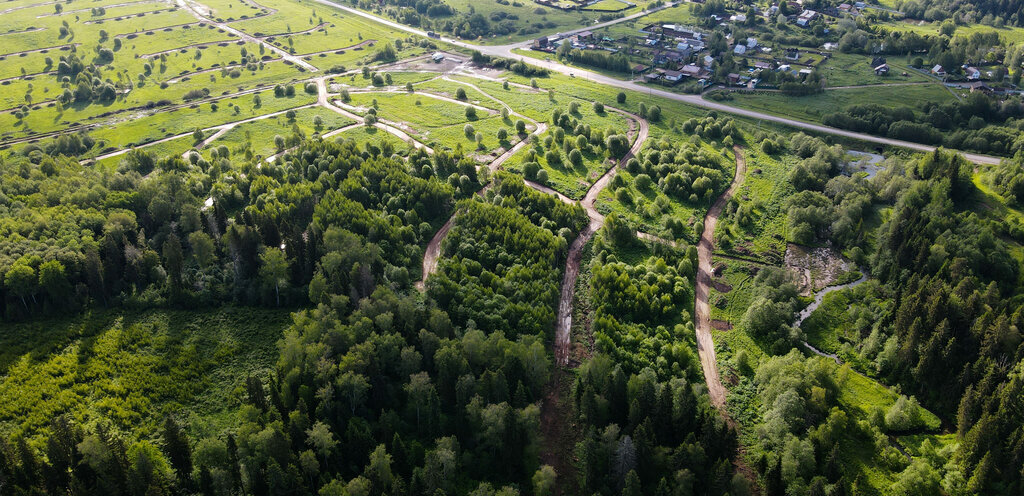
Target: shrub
(654, 114)
(196, 94)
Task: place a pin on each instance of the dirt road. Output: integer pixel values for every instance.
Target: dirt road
(702, 312)
(433, 251)
(195, 7)
(563, 324)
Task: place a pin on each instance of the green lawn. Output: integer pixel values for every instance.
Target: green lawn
(258, 136)
(844, 69)
(814, 107)
(766, 189)
(609, 6)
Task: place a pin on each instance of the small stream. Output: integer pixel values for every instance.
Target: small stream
(818, 298)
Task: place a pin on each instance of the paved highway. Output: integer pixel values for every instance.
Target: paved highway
(696, 100)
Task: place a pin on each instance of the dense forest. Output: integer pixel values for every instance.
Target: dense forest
(991, 12)
(948, 332)
(378, 389)
(978, 123)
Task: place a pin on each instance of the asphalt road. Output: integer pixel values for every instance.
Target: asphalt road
(695, 100)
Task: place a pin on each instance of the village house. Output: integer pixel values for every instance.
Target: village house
(882, 70)
(733, 78)
(806, 17)
(672, 76)
(939, 71)
(972, 73)
(693, 71)
(739, 49)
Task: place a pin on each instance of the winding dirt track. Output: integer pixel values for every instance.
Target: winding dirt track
(433, 251)
(702, 313)
(572, 263)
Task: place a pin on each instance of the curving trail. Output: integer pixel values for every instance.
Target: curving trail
(563, 324)
(702, 312)
(433, 251)
(323, 101)
(127, 16)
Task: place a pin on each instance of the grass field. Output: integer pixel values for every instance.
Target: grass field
(373, 136)
(1011, 35)
(162, 53)
(766, 189)
(843, 69)
(133, 368)
(533, 19)
(814, 107)
(609, 6)
(257, 137)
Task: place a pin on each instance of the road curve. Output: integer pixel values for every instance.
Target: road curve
(433, 251)
(695, 100)
(702, 312)
(563, 324)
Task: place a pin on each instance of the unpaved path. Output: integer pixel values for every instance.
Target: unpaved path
(23, 7)
(194, 8)
(128, 16)
(342, 50)
(27, 77)
(111, 6)
(702, 312)
(572, 263)
(39, 50)
(189, 75)
(433, 251)
(162, 29)
(23, 31)
(324, 101)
